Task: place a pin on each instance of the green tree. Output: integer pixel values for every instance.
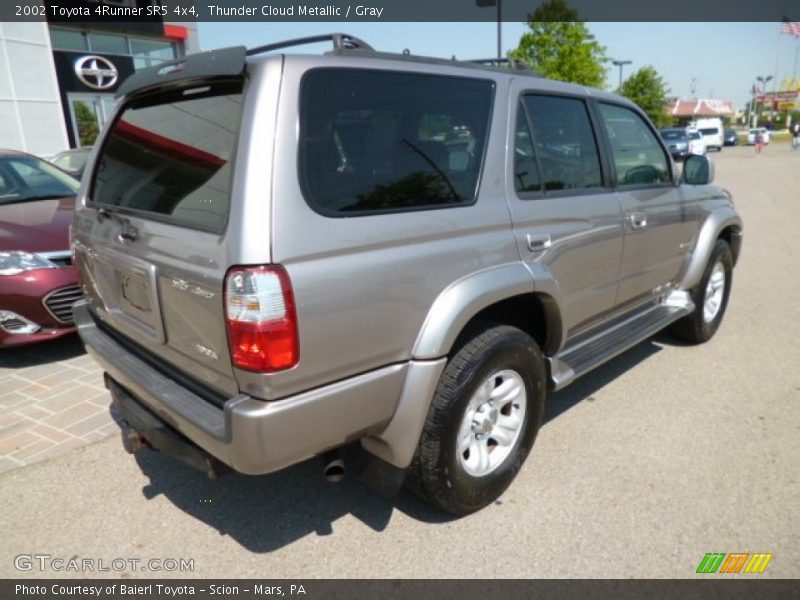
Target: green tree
(647, 89)
(559, 46)
(87, 123)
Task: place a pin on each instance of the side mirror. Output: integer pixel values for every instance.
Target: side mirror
(697, 170)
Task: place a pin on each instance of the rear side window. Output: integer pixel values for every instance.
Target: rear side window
(380, 141)
(526, 171)
(565, 142)
(637, 154)
(170, 158)
(710, 131)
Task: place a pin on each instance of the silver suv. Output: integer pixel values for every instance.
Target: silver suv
(283, 255)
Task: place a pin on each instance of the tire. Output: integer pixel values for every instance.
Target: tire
(460, 478)
(701, 325)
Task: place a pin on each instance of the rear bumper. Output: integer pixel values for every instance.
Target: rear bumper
(250, 435)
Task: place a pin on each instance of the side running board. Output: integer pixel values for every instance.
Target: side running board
(580, 358)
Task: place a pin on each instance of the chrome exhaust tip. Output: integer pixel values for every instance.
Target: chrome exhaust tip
(334, 470)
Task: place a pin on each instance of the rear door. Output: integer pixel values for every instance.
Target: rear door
(659, 221)
(566, 216)
(151, 243)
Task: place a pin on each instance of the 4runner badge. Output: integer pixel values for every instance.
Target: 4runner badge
(183, 286)
(206, 351)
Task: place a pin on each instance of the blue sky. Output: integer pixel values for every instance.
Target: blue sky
(723, 58)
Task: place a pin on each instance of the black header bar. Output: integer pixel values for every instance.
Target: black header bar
(77, 11)
(713, 586)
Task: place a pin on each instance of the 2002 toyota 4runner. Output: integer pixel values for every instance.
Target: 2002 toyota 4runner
(284, 254)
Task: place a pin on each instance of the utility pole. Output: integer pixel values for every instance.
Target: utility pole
(620, 64)
(793, 80)
(499, 30)
(763, 81)
(497, 3)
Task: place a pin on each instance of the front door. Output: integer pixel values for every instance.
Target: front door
(566, 217)
(89, 112)
(659, 222)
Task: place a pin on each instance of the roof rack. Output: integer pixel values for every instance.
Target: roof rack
(344, 44)
(511, 63)
(341, 41)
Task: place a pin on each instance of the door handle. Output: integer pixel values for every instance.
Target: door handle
(537, 242)
(637, 220)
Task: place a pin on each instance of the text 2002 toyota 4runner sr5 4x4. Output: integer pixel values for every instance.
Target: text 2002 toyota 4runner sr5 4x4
(283, 254)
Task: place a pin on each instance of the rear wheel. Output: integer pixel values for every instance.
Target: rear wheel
(482, 422)
(710, 298)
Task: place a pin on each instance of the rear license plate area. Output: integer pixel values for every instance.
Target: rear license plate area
(129, 290)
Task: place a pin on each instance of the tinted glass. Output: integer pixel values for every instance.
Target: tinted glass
(152, 48)
(380, 141)
(27, 178)
(173, 159)
(148, 53)
(526, 171)
(637, 155)
(68, 39)
(565, 142)
(709, 131)
(108, 43)
(673, 134)
(695, 135)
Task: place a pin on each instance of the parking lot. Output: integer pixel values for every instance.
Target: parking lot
(643, 466)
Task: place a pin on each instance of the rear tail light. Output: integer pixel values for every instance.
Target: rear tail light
(261, 318)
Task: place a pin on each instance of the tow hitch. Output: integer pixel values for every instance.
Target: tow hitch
(142, 430)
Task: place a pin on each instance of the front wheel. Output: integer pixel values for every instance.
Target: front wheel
(482, 422)
(710, 298)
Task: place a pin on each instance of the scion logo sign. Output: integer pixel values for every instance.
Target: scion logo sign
(96, 72)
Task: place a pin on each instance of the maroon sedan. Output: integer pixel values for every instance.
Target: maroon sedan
(37, 281)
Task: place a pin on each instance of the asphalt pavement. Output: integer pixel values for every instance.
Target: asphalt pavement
(665, 454)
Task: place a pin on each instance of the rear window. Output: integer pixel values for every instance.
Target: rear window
(673, 134)
(380, 141)
(170, 158)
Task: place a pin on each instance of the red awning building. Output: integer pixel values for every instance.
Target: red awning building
(700, 108)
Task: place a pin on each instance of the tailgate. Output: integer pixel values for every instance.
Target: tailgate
(151, 242)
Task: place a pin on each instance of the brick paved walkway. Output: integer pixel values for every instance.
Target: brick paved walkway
(52, 399)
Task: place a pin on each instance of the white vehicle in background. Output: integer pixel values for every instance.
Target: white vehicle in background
(751, 135)
(712, 131)
(697, 144)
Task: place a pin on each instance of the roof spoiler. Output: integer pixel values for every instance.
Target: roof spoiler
(226, 62)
